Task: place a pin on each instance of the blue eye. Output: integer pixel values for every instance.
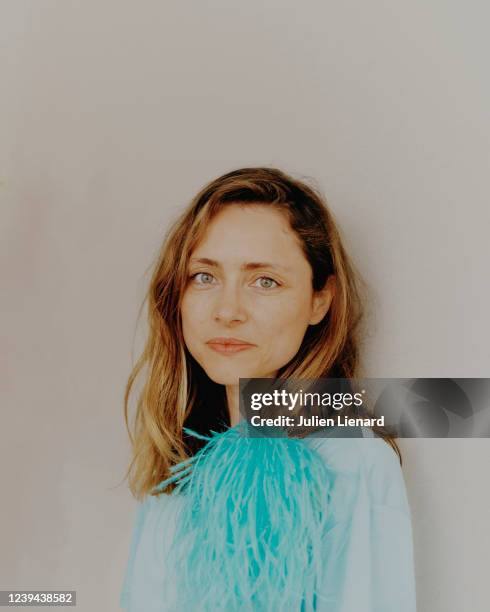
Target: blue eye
(270, 283)
(206, 278)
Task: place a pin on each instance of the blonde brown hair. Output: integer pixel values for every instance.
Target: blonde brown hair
(176, 391)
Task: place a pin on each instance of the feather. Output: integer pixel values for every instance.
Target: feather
(250, 533)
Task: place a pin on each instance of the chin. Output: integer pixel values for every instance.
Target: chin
(224, 378)
(227, 376)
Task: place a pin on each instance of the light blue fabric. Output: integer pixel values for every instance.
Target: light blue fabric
(369, 540)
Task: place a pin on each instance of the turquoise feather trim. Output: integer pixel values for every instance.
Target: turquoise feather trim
(251, 530)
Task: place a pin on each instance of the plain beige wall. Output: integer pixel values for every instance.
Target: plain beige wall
(112, 115)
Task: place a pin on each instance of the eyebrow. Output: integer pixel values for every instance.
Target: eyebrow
(251, 265)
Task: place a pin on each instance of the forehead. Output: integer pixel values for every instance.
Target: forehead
(240, 233)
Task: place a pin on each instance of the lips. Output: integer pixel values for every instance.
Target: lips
(228, 346)
(226, 340)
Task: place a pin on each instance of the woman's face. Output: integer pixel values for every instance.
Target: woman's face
(248, 283)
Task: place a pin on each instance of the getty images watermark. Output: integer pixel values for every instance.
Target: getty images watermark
(342, 407)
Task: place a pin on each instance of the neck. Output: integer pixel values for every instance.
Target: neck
(233, 400)
(232, 397)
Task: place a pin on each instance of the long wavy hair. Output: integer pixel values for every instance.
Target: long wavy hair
(176, 392)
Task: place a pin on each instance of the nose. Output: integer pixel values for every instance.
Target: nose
(229, 307)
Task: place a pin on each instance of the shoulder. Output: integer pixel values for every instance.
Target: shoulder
(368, 452)
(366, 463)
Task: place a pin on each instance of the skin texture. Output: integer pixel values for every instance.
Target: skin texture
(269, 307)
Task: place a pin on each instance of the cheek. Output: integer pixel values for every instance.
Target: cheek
(195, 314)
(289, 310)
(286, 322)
(191, 316)
(192, 304)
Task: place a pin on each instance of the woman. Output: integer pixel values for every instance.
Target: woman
(253, 282)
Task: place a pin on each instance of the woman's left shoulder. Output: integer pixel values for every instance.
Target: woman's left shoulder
(369, 461)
